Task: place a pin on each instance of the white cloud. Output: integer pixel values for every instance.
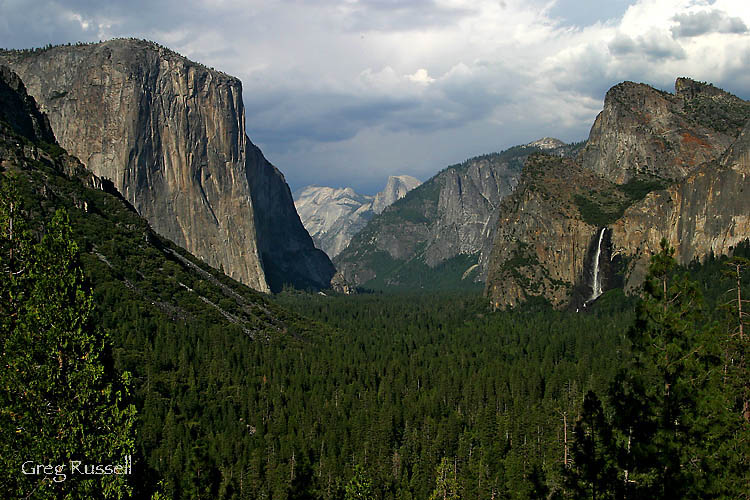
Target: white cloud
(421, 76)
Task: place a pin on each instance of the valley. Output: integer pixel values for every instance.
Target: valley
(554, 320)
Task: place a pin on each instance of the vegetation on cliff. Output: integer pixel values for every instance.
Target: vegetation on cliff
(602, 208)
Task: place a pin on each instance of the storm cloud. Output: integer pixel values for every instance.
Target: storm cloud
(707, 21)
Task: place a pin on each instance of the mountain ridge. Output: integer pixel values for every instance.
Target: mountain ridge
(441, 226)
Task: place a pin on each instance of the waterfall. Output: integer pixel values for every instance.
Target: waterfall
(596, 286)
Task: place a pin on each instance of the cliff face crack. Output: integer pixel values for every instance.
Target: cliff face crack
(206, 202)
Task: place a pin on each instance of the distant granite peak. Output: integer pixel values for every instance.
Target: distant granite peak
(395, 189)
(333, 215)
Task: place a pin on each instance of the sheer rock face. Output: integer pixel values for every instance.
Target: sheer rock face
(467, 204)
(642, 130)
(289, 255)
(170, 134)
(542, 243)
(449, 215)
(333, 215)
(707, 212)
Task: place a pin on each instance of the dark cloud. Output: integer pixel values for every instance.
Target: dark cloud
(655, 45)
(622, 45)
(395, 15)
(707, 21)
(280, 120)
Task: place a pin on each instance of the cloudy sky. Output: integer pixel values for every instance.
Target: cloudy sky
(346, 92)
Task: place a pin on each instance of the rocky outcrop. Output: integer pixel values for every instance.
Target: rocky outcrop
(656, 165)
(542, 244)
(448, 217)
(170, 134)
(340, 285)
(395, 189)
(707, 212)
(556, 147)
(288, 252)
(333, 215)
(644, 131)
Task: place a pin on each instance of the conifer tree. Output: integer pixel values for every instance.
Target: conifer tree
(446, 481)
(58, 399)
(594, 472)
(660, 406)
(733, 475)
(359, 487)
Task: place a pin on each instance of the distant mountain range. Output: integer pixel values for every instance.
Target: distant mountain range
(563, 222)
(333, 215)
(436, 236)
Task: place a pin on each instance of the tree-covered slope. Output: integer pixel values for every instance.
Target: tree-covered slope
(185, 331)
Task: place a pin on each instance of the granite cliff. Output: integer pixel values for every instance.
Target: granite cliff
(542, 242)
(707, 212)
(170, 134)
(333, 215)
(642, 130)
(433, 237)
(288, 252)
(120, 253)
(655, 165)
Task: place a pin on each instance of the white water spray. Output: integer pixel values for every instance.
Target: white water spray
(596, 287)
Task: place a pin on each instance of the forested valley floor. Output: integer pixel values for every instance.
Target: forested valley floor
(378, 395)
(420, 395)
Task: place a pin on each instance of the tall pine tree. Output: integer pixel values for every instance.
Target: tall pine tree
(59, 399)
(664, 444)
(594, 471)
